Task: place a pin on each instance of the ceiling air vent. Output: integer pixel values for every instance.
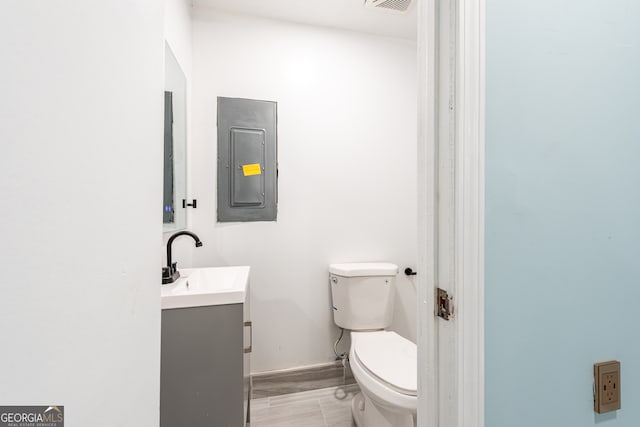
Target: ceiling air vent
(391, 5)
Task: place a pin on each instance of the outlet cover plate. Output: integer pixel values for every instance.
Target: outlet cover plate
(607, 386)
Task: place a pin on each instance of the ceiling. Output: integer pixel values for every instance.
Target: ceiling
(343, 14)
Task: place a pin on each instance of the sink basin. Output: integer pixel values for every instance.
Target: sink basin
(199, 287)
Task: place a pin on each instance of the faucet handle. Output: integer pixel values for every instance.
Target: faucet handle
(170, 274)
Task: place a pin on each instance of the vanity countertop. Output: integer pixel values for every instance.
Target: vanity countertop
(199, 287)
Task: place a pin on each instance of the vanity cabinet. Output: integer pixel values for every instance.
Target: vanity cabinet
(205, 366)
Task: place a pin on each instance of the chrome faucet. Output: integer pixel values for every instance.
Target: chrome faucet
(170, 273)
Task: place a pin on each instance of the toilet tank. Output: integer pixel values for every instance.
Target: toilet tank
(363, 294)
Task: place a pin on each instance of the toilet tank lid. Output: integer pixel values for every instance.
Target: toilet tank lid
(359, 269)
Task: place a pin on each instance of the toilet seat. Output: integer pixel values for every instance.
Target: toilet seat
(377, 389)
(389, 358)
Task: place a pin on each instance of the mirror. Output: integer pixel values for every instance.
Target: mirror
(174, 216)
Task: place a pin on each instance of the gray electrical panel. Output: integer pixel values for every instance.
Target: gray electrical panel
(247, 160)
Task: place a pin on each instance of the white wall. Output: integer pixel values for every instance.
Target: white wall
(81, 165)
(347, 183)
(177, 33)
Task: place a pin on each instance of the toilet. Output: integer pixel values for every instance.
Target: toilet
(384, 364)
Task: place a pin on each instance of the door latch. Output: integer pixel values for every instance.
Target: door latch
(444, 304)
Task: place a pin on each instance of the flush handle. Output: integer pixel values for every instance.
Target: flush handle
(409, 271)
(250, 325)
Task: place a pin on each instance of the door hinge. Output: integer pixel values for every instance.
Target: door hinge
(444, 304)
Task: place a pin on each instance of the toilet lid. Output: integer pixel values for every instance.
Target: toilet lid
(391, 358)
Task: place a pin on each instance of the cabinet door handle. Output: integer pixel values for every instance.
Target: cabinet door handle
(250, 325)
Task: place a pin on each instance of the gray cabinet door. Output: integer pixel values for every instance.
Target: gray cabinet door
(201, 380)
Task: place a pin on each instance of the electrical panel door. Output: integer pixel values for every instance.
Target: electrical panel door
(247, 163)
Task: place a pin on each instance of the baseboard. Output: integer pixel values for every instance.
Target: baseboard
(294, 380)
(337, 363)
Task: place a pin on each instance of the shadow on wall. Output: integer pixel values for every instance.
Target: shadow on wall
(405, 320)
(603, 418)
(345, 343)
(290, 330)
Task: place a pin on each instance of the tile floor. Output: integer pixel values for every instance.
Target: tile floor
(327, 407)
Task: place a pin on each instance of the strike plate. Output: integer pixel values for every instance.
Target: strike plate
(444, 304)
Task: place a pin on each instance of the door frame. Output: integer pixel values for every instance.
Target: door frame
(451, 75)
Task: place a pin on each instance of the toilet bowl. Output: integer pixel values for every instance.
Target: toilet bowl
(384, 364)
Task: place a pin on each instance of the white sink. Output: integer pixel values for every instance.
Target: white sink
(199, 287)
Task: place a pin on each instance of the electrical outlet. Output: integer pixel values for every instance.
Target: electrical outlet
(607, 386)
